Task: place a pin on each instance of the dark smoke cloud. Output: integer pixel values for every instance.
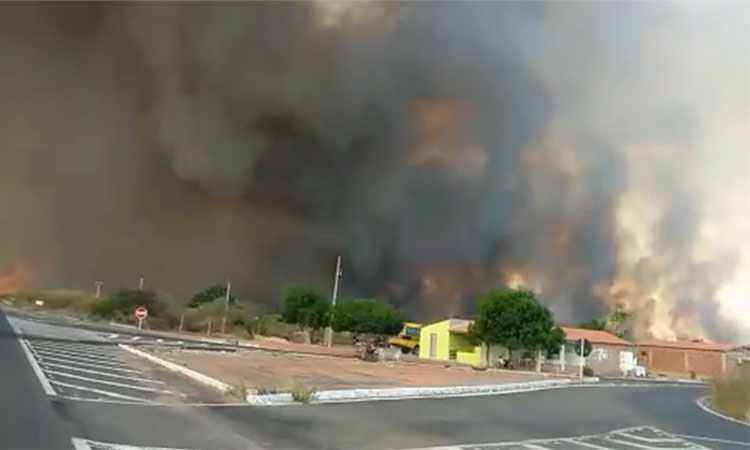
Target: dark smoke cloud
(192, 142)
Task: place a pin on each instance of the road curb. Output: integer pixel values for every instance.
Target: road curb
(360, 395)
(172, 367)
(701, 402)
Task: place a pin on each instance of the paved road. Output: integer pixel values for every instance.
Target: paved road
(25, 410)
(655, 416)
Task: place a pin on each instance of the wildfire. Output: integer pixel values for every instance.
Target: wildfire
(439, 139)
(11, 280)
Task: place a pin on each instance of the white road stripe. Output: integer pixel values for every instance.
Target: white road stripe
(32, 362)
(135, 338)
(588, 444)
(645, 439)
(85, 348)
(88, 443)
(100, 392)
(632, 444)
(723, 441)
(71, 362)
(90, 356)
(106, 374)
(535, 447)
(110, 383)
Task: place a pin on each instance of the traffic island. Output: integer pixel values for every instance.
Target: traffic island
(269, 378)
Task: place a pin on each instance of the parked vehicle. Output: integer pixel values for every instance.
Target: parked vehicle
(408, 339)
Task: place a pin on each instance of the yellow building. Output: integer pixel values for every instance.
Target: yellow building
(446, 341)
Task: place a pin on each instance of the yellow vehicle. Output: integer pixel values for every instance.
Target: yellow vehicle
(408, 339)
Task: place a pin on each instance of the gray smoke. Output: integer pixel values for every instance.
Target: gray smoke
(192, 142)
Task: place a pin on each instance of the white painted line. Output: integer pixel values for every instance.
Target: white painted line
(653, 440)
(71, 362)
(87, 356)
(535, 447)
(32, 362)
(632, 444)
(701, 402)
(106, 374)
(575, 439)
(197, 376)
(588, 444)
(100, 392)
(112, 446)
(113, 335)
(80, 444)
(723, 441)
(110, 383)
(135, 338)
(78, 348)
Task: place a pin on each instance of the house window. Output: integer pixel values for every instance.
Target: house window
(452, 355)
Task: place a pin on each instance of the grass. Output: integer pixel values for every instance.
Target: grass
(302, 393)
(238, 391)
(731, 396)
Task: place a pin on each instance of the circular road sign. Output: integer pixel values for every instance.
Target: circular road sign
(586, 347)
(141, 313)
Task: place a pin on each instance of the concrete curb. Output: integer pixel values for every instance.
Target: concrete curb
(701, 402)
(359, 395)
(192, 374)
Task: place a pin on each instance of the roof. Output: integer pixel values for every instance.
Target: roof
(593, 336)
(687, 345)
(460, 325)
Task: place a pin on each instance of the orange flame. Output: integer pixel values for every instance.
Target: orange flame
(12, 280)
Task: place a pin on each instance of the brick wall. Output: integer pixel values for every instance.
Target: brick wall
(603, 360)
(677, 361)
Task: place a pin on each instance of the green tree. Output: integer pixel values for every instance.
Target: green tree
(616, 320)
(210, 294)
(366, 316)
(515, 319)
(594, 324)
(305, 306)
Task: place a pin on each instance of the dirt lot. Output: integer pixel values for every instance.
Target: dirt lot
(267, 370)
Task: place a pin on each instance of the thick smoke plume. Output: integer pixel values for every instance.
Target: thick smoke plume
(594, 152)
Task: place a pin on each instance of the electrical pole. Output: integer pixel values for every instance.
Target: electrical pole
(226, 306)
(336, 276)
(140, 284)
(98, 285)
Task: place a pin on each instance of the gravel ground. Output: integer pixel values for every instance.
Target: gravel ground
(265, 370)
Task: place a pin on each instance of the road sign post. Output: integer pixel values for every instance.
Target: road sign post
(583, 349)
(140, 314)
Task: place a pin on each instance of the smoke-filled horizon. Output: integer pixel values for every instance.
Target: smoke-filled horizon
(592, 152)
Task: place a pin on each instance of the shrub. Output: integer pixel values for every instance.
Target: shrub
(302, 393)
(209, 295)
(731, 395)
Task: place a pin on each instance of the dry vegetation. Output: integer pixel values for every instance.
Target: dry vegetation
(731, 396)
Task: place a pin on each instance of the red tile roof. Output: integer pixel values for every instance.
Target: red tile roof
(687, 345)
(593, 336)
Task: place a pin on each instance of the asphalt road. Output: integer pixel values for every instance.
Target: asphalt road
(662, 414)
(28, 419)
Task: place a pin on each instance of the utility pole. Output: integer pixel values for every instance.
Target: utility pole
(98, 285)
(226, 306)
(140, 284)
(336, 276)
